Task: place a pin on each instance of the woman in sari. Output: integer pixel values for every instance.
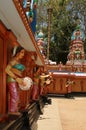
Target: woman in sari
(14, 71)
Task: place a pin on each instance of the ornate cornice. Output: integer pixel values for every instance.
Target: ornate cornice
(22, 14)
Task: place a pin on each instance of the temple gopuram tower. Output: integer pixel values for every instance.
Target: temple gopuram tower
(76, 57)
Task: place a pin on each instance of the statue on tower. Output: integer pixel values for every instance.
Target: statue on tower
(78, 34)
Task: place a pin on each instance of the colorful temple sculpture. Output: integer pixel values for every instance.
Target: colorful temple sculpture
(76, 57)
(30, 8)
(41, 45)
(40, 42)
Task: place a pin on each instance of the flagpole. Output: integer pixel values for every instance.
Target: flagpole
(49, 11)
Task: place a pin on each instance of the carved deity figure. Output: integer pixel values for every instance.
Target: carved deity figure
(14, 71)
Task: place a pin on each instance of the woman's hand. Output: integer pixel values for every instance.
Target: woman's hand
(20, 81)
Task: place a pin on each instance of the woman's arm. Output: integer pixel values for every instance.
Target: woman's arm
(9, 71)
(44, 76)
(16, 72)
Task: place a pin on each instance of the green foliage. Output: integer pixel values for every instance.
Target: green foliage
(62, 28)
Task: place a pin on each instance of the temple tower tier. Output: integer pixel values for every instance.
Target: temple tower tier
(76, 56)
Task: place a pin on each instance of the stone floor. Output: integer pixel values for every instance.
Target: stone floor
(64, 114)
(50, 120)
(73, 113)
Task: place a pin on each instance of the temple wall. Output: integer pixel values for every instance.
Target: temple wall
(7, 41)
(59, 84)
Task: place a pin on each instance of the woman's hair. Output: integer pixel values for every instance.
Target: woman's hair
(16, 50)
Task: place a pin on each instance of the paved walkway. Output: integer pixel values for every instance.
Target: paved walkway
(72, 113)
(64, 114)
(50, 120)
